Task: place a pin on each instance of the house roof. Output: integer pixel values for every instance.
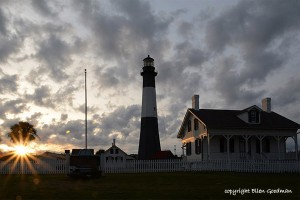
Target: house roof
(115, 147)
(228, 119)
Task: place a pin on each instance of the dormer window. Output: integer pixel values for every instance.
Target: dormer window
(253, 116)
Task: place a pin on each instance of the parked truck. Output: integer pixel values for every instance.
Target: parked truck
(84, 164)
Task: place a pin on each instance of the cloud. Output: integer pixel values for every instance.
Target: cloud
(41, 97)
(288, 93)
(3, 20)
(8, 47)
(123, 119)
(252, 24)
(54, 53)
(232, 86)
(14, 107)
(255, 29)
(44, 96)
(8, 83)
(43, 8)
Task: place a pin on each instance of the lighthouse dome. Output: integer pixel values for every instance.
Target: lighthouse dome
(148, 62)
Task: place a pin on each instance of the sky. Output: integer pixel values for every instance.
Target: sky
(232, 53)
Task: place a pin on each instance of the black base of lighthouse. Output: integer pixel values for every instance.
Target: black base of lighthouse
(149, 138)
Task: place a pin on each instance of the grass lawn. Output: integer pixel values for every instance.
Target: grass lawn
(200, 185)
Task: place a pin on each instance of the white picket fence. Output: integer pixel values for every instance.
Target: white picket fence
(251, 166)
(51, 166)
(46, 166)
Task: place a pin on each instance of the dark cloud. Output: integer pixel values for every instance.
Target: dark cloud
(189, 56)
(252, 24)
(15, 106)
(255, 29)
(44, 96)
(123, 120)
(63, 117)
(8, 83)
(41, 97)
(185, 29)
(107, 77)
(232, 86)
(3, 22)
(120, 36)
(42, 7)
(8, 47)
(288, 94)
(55, 54)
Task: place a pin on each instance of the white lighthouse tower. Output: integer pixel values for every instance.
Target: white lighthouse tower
(149, 136)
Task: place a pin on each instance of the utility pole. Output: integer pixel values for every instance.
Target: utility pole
(85, 108)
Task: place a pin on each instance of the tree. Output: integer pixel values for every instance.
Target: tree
(22, 133)
(100, 151)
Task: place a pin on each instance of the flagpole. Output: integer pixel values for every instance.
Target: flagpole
(85, 108)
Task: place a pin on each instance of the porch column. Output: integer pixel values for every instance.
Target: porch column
(296, 146)
(201, 148)
(208, 147)
(278, 145)
(246, 138)
(228, 139)
(260, 137)
(209, 137)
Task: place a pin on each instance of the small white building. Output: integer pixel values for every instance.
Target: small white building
(251, 133)
(115, 155)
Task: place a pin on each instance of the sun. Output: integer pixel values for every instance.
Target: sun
(21, 150)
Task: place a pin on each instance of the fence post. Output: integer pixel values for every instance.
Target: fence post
(102, 164)
(67, 161)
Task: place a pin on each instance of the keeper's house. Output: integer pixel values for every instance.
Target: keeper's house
(251, 133)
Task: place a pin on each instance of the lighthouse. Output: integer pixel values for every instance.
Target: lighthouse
(149, 136)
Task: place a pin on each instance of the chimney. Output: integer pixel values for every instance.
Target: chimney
(114, 142)
(195, 102)
(266, 104)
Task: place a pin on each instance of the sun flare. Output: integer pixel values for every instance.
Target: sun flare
(22, 150)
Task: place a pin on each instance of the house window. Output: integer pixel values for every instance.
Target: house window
(189, 125)
(196, 124)
(117, 151)
(223, 145)
(188, 148)
(111, 151)
(198, 146)
(253, 116)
